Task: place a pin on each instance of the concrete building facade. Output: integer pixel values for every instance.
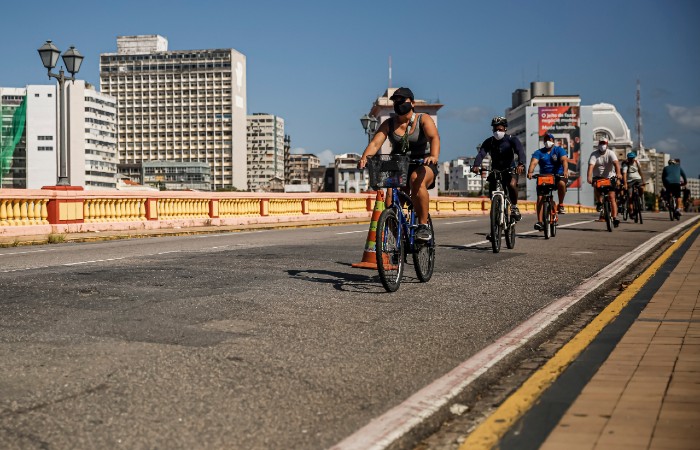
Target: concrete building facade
(266, 150)
(90, 139)
(347, 177)
(181, 105)
(177, 176)
(300, 166)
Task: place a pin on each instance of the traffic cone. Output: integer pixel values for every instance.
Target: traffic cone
(369, 257)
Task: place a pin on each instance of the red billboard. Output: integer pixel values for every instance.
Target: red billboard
(564, 122)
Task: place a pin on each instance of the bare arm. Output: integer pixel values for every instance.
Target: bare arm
(565, 163)
(617, 169)
(590, 173)
(375, 144)
(531, 169)
(433, 136)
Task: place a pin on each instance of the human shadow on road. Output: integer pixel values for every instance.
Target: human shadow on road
(341, 281)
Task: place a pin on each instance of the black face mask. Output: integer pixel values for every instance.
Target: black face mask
(403, 108)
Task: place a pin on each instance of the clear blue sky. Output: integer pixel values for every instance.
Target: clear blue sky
(319, 65)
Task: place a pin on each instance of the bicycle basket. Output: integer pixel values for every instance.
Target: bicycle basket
(603, 182)
(543, 180)
(388, 171)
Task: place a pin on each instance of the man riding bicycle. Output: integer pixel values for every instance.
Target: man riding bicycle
(673, 177)
(552, 160)
(603, 163)
(632, 178)
(502, 147)
(414, 135)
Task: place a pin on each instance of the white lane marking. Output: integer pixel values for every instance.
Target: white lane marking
(350, 232)
(582, 253)
(463, 221)
(386, 429)
(24, 253)
(527, 232)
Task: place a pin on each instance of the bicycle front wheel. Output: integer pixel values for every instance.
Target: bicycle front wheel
(496, 211)
(608, 214)
(638, 209)
(624, 209)
(390, 250)
(424, 256)
(546, 211)
(553, 222)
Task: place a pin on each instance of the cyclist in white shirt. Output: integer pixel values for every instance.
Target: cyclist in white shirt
(633, 179)
(603, 163)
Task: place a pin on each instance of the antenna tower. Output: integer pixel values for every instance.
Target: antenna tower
(640, 144)
(389, 71)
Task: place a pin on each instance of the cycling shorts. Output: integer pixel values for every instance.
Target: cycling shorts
(412, 168)
(631, 185)
(673, 189)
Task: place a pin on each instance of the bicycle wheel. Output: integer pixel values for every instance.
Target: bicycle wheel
(608, 214)
(510, 234)
(672, 208)
(496, 211)
(546, 211)
(624, 209)
(424, 256)
(638, 209)
(390, 250)
(553, 223)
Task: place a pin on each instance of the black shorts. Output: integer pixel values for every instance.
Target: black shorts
(673, 189)
(412, 168)
(542, 190)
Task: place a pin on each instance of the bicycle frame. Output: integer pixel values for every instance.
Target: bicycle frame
(406, 225)
(500, 191)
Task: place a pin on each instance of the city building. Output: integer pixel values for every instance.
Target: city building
(300, 166)
(442, 182)
(657, 162)
(347, 177)
(287, 153)
(694, 186)
(32, 160)
(179, 105)
(266, 148)
(321, 179)
(176, 176)
(462, 181)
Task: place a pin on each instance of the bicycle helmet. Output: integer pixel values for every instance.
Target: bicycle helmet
(631, 155)
(498, 120)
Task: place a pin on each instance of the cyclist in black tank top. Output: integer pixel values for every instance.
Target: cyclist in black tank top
(415, 135)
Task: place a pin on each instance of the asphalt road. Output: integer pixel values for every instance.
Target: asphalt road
(258, 339)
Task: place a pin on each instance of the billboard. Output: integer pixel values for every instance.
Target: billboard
(564, 122)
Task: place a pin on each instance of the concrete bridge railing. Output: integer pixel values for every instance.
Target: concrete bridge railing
(63, 210)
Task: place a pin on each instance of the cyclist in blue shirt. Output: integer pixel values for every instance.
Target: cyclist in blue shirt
(552, 160)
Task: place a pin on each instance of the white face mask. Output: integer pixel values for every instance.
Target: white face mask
(499, 134)
(602, 148)
(549, 144)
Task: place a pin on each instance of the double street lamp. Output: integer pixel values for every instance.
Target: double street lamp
(72, 60)
(370, 125)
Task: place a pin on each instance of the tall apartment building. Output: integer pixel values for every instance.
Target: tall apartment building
(266, 148)
(300, 166)
(91, 139)
(181, 105)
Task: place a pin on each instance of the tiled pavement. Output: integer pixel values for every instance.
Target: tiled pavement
(647, 393)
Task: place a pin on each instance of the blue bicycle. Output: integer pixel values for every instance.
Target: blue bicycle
(396, 227)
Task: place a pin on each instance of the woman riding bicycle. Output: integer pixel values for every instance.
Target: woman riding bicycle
(632, 178)
(414, 135)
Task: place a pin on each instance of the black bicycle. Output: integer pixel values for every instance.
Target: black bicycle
(395, 236)
(672, 206)
(637, 204)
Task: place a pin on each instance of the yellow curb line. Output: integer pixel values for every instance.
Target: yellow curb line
(490, 432)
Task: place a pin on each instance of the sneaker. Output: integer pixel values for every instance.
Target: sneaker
(616, 222)
(598, 206)
(561, 210)
(539, 226)
(678, 212)
(423, 233)
(515, 212)
(488, 237)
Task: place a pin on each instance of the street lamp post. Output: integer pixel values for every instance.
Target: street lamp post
(72, 60)
(370, 125)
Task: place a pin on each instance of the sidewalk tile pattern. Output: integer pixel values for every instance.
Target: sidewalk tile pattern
(647, 394)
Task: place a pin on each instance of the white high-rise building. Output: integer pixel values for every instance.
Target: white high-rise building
(265, 151)
(182, 105)
(91, 137)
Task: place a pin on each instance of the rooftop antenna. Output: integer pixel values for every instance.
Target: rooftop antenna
(640, 144)
(389, 71)
(538, 71)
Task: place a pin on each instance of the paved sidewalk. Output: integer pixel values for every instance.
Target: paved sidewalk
(647, 393)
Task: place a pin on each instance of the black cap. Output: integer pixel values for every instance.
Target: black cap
(402, 92)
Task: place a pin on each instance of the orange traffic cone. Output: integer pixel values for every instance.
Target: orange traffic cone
(369, 257)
